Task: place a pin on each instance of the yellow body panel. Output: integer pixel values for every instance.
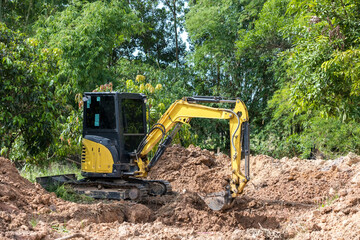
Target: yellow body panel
(96, 158)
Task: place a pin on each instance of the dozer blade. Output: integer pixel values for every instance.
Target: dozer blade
(55, 180)
(218, 201)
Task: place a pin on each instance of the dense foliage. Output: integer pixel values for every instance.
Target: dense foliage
(29, 102)
(295, 63)
(87, 33)
(317, 92)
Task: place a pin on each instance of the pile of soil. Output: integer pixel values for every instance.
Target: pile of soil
(19, 198)
(337, 216)
(280, 191)
(294, 180)
(27, 211)
(193, 169)
(286, 198)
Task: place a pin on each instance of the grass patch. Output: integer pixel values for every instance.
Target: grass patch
(31, 172)
(33, 222)
(67, 193)
(328, 201)
(60, 228)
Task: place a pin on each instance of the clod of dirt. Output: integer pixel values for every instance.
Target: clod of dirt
(138, 214)
(351, 159)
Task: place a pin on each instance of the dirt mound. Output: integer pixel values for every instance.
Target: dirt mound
(19, 198)
(280, 189)
(286, 198)
(193, 169)
(26, 209)
(294, 180)
(189, 210)
(337, 216)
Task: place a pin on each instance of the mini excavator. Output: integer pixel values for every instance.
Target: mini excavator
(116, 144)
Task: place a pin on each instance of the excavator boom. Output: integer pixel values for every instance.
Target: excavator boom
(181, 112)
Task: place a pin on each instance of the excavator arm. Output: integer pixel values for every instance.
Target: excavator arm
(181, 112)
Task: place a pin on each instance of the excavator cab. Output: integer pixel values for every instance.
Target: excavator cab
(113, 126)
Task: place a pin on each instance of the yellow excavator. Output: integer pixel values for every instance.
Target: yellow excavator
(116, 145)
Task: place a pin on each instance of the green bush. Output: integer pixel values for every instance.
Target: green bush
(31, 172)
(331, 137)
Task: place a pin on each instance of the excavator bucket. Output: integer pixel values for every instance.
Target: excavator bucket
(218, 201)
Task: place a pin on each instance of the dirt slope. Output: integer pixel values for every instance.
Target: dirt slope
(286, 198)
(27, 211)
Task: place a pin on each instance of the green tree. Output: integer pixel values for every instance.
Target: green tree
(213, 27)
(176, 8)
(29, 104)
(258, 50)
(22, 14)
(158, 45)
(317, 79)
(323, 65)
(88, 34)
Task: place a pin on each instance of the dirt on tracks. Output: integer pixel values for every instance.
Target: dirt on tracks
(286, 198)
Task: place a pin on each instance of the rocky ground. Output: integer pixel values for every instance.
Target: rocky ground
(285, 199)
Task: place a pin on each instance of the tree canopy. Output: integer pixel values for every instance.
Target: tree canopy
(295, 64)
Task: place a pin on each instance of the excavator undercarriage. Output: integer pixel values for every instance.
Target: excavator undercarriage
(116, 145)
(115, 189)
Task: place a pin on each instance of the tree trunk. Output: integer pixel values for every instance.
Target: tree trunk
(172, 8)
(176, 35)
(218, 78)
(0, 10)
(28, 14)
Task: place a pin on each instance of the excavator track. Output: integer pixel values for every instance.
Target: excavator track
(115, 189)
(100, 189)
(159, 187)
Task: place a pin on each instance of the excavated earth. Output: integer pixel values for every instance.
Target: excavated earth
(285, 199)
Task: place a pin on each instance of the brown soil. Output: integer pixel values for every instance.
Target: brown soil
(286, 198)
(27, 211)
(192, 169)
